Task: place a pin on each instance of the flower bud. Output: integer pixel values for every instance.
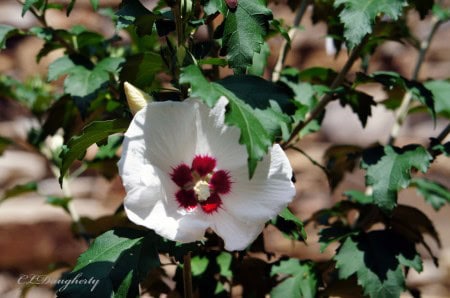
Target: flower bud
(136, 98)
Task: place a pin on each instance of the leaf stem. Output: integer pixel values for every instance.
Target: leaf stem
(326, 98)
(284, 49)
(402, 112)
(187, 276)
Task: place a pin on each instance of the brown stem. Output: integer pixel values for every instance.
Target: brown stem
(284, 49)
(187, 276)
(325, 99)
(402, 112)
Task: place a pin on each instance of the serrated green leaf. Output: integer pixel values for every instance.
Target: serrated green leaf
(392, 80)
(83, 82)
(112, 266)
(95, 132)
(59, 67)
(302, 280)
(133, 12)
(389, 170)
(5, 32)
(434, 193)
(376, 258)
(253, 134)
(360, 102)
(19, 190)
(358, 16)
(441, 91)
(244, 31)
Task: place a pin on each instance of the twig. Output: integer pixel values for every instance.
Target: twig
(284, 46)
(314, 162)
(325, 99)
(444, 133)
(402, 111)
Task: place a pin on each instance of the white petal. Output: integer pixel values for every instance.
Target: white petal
(152, 204)
(133, 157)
(236, 233)
(266, 194)
(169, 133)
(217, 139)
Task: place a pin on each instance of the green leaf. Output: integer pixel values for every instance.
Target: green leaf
(199, 265)
(359, 197)
(358, 16)
(441, 12)
(214, 6)
(112, 266)
(376, 258)
(19, 190)
(440, 90)
(59, 67)
(93, 133)
(244, 32)
(392, 80)
(4, 143)
(70, 7)
(28, 4)
(435, 194)
(141, 69)
(302, 280)
(5, 32)
(82, 82)
(60, 202)
(224, 261)
(94, 4)
(253, 134)
(389, 170)
(260, 61)
(360, 102)
(287, 215)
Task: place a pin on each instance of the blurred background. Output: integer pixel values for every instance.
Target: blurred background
(34, 236)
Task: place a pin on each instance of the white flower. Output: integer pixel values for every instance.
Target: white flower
(184, 172)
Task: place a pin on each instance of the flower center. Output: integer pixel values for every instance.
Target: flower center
(201, 189)
(200, 184)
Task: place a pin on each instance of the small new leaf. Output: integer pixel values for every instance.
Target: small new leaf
(389, 170)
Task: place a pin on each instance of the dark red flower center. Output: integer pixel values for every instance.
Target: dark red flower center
(200, 184)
